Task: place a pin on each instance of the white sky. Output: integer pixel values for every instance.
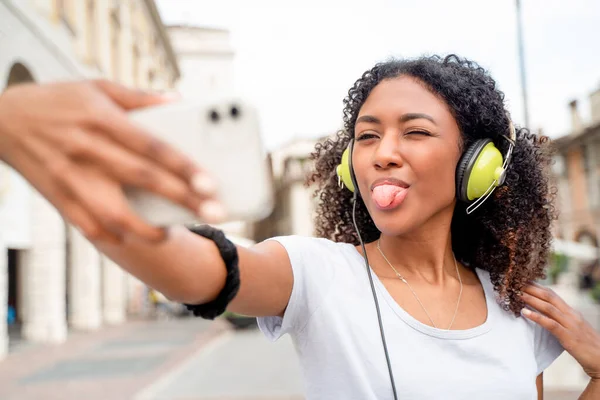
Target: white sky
(297, 62)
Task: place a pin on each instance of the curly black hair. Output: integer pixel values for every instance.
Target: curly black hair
(510, 234)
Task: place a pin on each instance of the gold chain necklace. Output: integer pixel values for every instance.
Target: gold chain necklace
(417, 297)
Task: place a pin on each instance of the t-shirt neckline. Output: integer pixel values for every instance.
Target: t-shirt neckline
(424, 328)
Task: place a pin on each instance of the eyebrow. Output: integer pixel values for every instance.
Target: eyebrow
(404, 118)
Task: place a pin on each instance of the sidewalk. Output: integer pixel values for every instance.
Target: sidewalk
(177, 359)
(112, 363)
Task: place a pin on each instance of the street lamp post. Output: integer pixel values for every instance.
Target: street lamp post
(522, 64)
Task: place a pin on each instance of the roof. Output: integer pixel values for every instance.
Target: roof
(197, 28)
(162, 33)
(590, 131)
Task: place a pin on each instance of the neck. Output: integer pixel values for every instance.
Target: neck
(425, 254)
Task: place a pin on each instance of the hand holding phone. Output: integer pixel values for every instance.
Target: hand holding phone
(223, 137)
(74, 143)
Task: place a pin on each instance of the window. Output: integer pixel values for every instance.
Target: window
(559, 166)
(115, 42)
(65, 11)
(151, 77)
(135, 64)
(596, 169)
(92, 40)
(591, 173)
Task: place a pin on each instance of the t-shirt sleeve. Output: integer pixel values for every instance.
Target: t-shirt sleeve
(547, 348)
(313, 276)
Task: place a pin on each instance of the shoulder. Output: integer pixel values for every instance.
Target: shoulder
(317, 256)
(485, 279)
(311, 246)
(546, 347)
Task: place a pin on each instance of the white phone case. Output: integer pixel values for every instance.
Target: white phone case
(223, 138)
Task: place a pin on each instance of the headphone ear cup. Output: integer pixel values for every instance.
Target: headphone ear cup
(344, 169)
(351, 168)
(465, 166)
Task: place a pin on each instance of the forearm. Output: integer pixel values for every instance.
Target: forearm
(592, 391)
(185, 267)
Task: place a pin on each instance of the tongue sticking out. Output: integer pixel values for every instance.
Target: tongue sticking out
(384, 195)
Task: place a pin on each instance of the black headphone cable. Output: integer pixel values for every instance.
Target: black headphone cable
(383, 341)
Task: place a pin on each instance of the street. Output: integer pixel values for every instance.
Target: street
(177, 359)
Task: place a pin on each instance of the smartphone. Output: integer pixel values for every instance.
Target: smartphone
(222, 136)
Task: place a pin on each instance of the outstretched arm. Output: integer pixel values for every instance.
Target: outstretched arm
(188, 268)
(74, 143)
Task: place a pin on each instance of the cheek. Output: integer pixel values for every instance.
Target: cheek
(436, 178)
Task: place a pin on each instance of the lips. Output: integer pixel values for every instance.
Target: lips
(388, 193)
(389, 181)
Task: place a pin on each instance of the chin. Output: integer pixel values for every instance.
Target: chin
(396, 222)
(409, 218)
(394, 227)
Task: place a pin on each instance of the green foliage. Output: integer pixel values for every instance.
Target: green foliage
(595, 292)
(558, 264)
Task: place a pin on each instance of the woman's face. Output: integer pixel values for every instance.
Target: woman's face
(405, 155)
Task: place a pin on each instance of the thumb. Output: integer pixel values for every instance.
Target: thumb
(130, 99)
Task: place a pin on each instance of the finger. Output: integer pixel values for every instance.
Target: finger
(60, 197)
(91, 229)
(130, 99)
(547, 295)
(106, 201)
(101, 197)
(553, 326)
(131, 169)
(119, 128)
(546, 308)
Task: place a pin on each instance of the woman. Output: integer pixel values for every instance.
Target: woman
(450, 286)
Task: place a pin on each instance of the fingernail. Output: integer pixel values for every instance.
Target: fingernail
(204, 184)
(170, 96)
(212, 211)
(526, 312)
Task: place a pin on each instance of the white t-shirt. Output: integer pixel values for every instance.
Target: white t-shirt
(333, 323)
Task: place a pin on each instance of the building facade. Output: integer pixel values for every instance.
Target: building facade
(295, 204)
(51, 278)
(577, 177)
(205, 57)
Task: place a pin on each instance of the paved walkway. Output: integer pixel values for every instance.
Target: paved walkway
(112, 363)
(180, 359)
(241, 365)
(245, 366)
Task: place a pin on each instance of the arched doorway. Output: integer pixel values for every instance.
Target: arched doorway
(590, 272)
(18, 74)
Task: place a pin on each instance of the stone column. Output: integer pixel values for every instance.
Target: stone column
(84, 283)
(135, 298)
(3, 299)
(113, 292)
(43, 275)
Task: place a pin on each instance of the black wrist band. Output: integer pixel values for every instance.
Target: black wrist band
(229, 254)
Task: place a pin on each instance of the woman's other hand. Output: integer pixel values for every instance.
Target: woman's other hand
(575, 334)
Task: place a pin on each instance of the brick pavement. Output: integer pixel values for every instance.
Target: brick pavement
(112, 363)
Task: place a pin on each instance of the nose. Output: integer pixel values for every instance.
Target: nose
(387, 154)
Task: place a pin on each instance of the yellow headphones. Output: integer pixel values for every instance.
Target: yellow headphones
(480, 170)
